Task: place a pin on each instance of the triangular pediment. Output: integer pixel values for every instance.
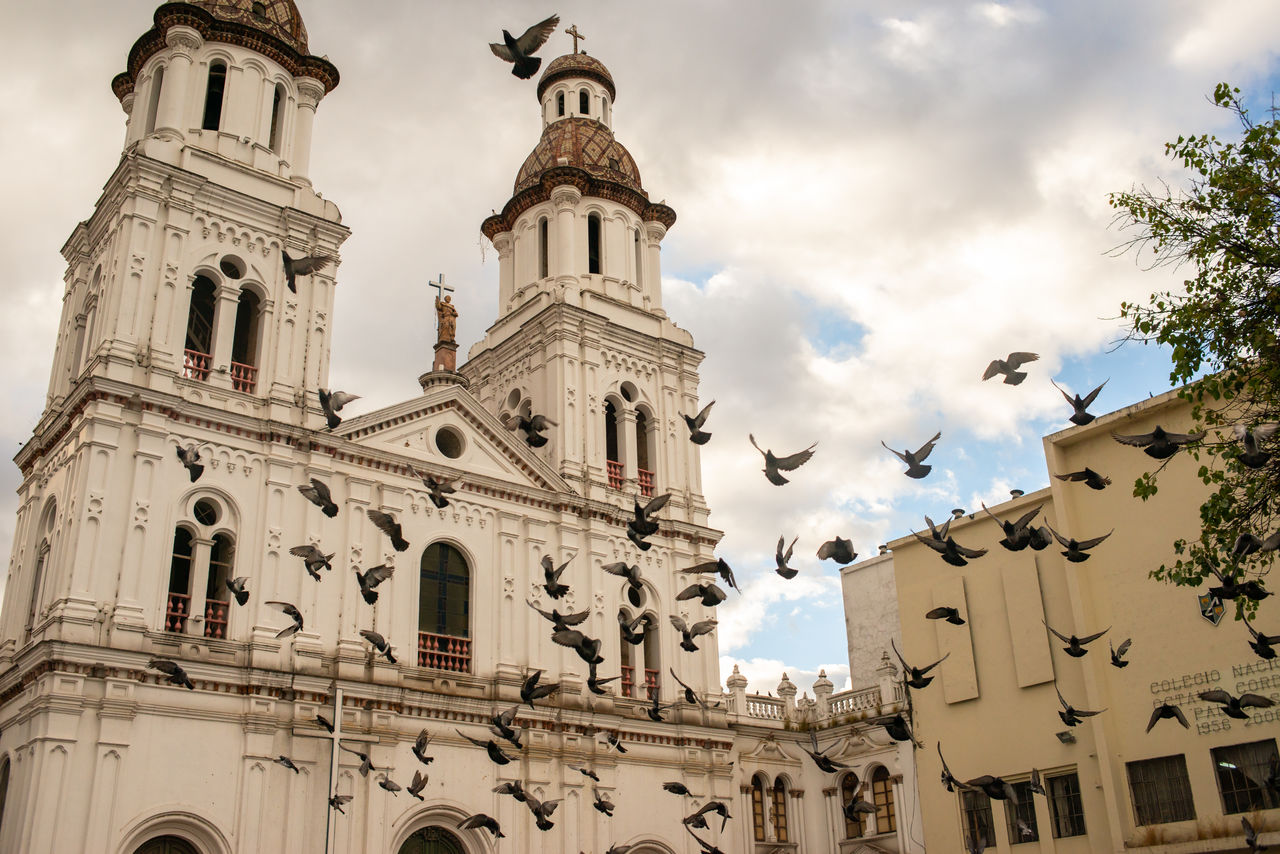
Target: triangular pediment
(768, 750)
(447, 428)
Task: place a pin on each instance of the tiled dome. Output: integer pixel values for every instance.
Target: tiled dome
(279, 18)
(584, 143)
(576, 65)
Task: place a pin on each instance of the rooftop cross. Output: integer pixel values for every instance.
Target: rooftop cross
(441, 287)
(575, 35)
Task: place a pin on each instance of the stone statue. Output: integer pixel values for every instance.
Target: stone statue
(446, 318)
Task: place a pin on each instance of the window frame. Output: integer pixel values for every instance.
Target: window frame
(1257, 796)
(1156, 798)
(1070, 823)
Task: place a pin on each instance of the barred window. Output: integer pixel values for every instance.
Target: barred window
(1161, 790)
(1065, 807)
(1243, 770)
(882, 797)
(978, 823)
(1021, 818)
(757, 808)
(779, 793)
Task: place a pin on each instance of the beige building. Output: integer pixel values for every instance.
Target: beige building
(180, 329)
(1111, 785)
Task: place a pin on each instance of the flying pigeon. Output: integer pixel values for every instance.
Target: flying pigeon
(390, 785)
(532, 427)
(519, 51)
(628, 627)
(1234, 707)
(1250, 455)
(945, 612)
(1076, 550)
(314, 559)
(1087, 476)
(595, 684)
(294, 267)
(1009, 367)
(292, 611)
(773, 465)
(1262, 644)
(561, 621)
(696, 433)
(1080, 404)
(237, 588)
(332, 402)
(371, 578)
(782, 558)
(824, 762)
(1075, 646)
(1117, 655)
(420, 747)
(438, 488)
(1159, 443)
(916, 677)
(379, 643)
(480, 820)
(366, 764)
(1070, 715)
(338, 800)
(1167, 710)
(551, 575)
(174, 674)
(914, 459)
(705, 627)
(318, 494)
(190, 457)
(387, 524)
(1017, 534)
(708, 594)
(419, 783)
(514, 788)
(718, 567)
(531, 690)
(839, 549)
(490, 746)
(602, 803)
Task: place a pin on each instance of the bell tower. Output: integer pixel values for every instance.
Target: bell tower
(176, 283)
(581, 336)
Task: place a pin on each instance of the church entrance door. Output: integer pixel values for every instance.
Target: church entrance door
(432, 840)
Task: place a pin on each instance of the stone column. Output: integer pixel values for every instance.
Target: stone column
(654, 232)
(310, 91)
(737, 684)
(627, 447)
(565, 199)
(745, 810)
(199, 576)
(787, 692)
(795, 819)
(131, 130)
(224, 330)
(899, 823)
(832, 809)
(506, 271)
(183, 42)
(822, 692)
(888, 675)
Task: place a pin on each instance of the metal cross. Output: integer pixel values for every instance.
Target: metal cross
(441, 287)
(575, 35)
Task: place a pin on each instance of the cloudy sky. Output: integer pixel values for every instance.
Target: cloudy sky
(875, 199)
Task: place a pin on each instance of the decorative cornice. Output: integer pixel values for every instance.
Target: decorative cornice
(588, 185)
(215, 29)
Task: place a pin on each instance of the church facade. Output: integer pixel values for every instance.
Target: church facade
(183, 327)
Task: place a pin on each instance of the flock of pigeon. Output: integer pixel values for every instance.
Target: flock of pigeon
(504, 736)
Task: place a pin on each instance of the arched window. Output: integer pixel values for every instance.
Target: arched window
(199, 567)
(882, 797)
(652, 663)
(432, 840)
(543, 263)
(199, 342)
(277, 118)
(639, 258)
(605, 103)
(37, 579)
(778, 795)
(559, 103)
(848, 792)
(757, 808)
(594, 255)
(444, 610)
(644, 469)
(213, 96)
(612, 452)
(153, 99)
(584, 102)
(166, 845)
(244, 344)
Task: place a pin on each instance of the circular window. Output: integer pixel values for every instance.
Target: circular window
(232, 268)
(449, 442)
(628, 392)
(513, 399)
(205, 511)
(635, 597)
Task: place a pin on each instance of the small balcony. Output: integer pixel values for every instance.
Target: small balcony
(444, 652)
(215, 619)
(244, 378)
(629, 682)
(613, 469)
(177, 613)
(195, 365)
(646, 483)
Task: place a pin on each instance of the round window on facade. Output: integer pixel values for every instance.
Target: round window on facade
(513, 399)
(205, 511)
(231, 267)
(635, 597)
(449, 442)
(628, 392)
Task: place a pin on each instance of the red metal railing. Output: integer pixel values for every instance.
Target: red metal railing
(614, 470)
(651, 683)
(646, 483)
(176, 613)
(215, 619)
(628, 680)
(444, 652)
(243, 377)
(195, 365)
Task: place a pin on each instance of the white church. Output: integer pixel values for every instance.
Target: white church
(179, 328)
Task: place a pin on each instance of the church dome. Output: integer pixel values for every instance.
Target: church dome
(583, 143)
(279, 18)
(576, 65)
